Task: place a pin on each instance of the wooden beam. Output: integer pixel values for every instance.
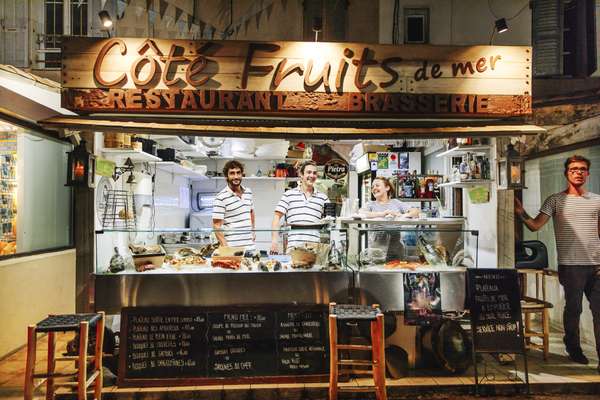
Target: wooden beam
(176, 128)
(562, 137)
(84, 240)
(570, 147)
(563, 114)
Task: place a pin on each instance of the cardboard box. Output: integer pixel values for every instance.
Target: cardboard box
(295, 154)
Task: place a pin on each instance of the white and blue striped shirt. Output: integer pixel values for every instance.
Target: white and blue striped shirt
(300, 208)
(235, 211)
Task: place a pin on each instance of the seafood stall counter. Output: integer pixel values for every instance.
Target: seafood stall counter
(187, 268)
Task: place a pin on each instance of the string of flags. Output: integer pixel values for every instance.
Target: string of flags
(172, 17)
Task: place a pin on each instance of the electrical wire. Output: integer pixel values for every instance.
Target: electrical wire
(395, 27)
(510, 18)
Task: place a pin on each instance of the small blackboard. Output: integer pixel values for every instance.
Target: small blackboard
(495, 306)
(189, 345)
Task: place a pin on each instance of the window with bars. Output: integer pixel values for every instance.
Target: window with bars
(79, 18)
(75, 12)
(54, 27)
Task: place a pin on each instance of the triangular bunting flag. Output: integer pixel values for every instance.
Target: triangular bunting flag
(269, 10)
(152, 16)
(102, 4)
(237, 29)
(190, 22)
(163, 8)
(167, 20)
(121, 6)
(178, 12)
(213, 30)
(257, 18)
(201, 27)
(246, 23)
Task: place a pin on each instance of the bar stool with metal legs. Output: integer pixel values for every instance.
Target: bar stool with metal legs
(351, 313)
(80, 323)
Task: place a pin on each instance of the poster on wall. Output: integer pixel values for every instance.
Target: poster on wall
(8, 193)
(422, 298)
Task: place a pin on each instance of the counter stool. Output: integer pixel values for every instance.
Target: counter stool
(81, 324)
(536, 305)
(353, 314)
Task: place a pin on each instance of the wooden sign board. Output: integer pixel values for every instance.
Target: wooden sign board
(294, 78)
(167, 346)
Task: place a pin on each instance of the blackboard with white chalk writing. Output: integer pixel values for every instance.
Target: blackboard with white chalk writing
(495, 306)
(188, 345)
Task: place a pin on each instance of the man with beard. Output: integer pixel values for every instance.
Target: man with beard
(575, 213)
(303, 205)
(233, 210)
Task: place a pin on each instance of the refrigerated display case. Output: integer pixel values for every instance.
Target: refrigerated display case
(187, 267)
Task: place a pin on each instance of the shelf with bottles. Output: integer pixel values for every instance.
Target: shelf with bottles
(460, 150)
(424, 187)
(467, 183)
(457, 147)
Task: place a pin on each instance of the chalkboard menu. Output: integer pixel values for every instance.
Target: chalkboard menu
(495, 305)
(183, 345)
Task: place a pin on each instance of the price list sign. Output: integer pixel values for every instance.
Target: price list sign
(241, 343)
(165, 345)
(301, 338)
(495, 310)
(184, 345)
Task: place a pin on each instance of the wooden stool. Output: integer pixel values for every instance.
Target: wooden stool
(536, 305)
(354, 314)
(66, 323)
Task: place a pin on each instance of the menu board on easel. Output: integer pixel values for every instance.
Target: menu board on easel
(495, 306)
(8, 192)
(185, 345)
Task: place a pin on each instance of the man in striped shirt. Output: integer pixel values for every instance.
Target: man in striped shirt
(575, 213)
(233, 209)
(303, 205)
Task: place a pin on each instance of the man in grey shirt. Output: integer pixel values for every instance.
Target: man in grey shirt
(575, 213)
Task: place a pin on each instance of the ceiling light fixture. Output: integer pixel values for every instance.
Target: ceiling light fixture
(501, 25)
(105, 18)
(317, 27)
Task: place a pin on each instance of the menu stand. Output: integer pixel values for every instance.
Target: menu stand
(496, 319)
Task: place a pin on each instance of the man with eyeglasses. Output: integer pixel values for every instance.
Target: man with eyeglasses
(575, 213)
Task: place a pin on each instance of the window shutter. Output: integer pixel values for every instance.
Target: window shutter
(547, 37)
(14, 49)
